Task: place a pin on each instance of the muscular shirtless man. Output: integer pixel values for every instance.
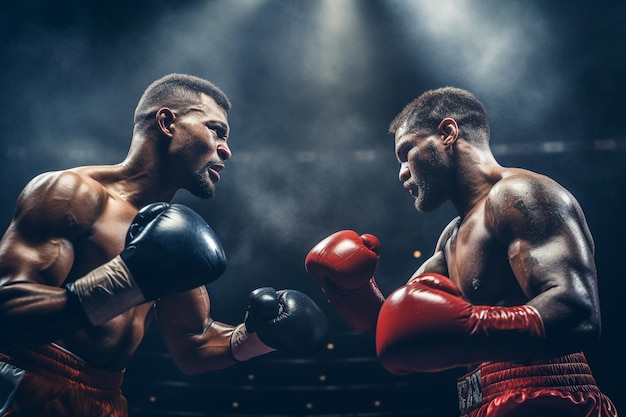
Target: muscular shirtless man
(94, 253)
(510, 291)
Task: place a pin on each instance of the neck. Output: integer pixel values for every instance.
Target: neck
(477, 172)
(143, 174)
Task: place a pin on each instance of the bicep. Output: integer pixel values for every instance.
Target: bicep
(45, 260)
(549, 245)
(551, 255)
(556, 270)
(37, 245)
(559, 277)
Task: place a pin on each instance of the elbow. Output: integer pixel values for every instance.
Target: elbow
(581, 330)
(189, 368)
(588, 319)
(590, 332)
(196, 368)
(193, 365)
(592, 329)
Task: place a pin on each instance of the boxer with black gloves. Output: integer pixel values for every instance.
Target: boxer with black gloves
(95, 253)
(511, 290)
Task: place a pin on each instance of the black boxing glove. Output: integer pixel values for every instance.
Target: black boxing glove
(169, 249)
(285, 320)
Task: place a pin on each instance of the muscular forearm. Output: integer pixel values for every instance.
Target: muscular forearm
(33, 314)
(196, 342)
(359, 306)
(203, 351)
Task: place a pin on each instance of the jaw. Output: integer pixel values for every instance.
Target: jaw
(428, 200)
(202, 184)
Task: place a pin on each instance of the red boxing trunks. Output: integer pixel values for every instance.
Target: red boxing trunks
(58, 384)
(561, 387)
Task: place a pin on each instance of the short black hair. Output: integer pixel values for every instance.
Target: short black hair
(424, 114)
(177, 91)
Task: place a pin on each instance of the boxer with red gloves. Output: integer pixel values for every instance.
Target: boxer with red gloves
(510, 291)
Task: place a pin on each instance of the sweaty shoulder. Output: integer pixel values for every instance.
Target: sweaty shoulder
(524, 203)
(59, 203)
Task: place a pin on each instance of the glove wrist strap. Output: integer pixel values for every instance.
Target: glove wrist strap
(107, 291)
(523, 318)
(359, 306)
(245, 345)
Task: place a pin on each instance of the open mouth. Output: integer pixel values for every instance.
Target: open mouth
(214, 175)
(214, 172)
(412, 189)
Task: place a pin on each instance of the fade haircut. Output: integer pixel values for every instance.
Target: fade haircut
(177, 91)
(423, 115)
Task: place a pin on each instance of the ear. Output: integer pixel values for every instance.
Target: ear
(164, 118)
(450, 131)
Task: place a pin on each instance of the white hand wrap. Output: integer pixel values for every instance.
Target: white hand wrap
(244, 345)
(107, 291)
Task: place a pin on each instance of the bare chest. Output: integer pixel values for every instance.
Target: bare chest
(478, 263)
(112, 344)
(105, 240)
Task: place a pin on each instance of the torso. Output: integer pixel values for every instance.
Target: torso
(477, 261)
(103, 227)
(113, 344)
(110, 345)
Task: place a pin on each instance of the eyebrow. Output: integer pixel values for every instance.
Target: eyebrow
(199, 108)
(220, 123)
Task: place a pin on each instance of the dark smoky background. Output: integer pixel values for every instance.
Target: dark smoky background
(314, 85)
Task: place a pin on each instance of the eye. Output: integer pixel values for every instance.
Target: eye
(219, 130)
(402, 153)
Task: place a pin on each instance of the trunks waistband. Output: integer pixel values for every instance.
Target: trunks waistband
(52, 360)
(491, 379)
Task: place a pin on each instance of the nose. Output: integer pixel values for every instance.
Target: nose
(224, 151)
(404, 173)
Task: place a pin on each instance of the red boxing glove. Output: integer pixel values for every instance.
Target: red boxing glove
(343, 265)
(426, 326)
